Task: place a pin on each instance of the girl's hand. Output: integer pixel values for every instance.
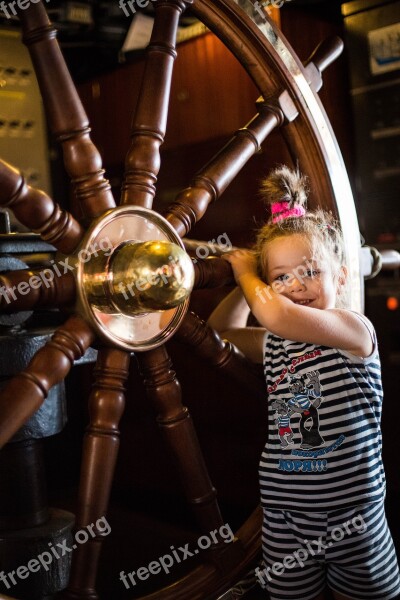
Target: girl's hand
(243, 262)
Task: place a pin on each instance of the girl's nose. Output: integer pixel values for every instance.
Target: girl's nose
(297, 285)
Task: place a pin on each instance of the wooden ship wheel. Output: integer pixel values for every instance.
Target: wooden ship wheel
(131, 295)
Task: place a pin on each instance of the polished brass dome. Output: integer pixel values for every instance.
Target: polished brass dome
(148, 276)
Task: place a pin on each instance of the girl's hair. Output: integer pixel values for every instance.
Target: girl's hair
(286, 192)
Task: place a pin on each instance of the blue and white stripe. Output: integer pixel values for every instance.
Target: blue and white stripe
(346, 470)
(351, 550)
(284, 421)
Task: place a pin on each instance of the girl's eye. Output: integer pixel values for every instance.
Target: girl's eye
(282, 277)
(313, 273)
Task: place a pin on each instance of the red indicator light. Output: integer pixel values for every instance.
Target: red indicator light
(392, 303)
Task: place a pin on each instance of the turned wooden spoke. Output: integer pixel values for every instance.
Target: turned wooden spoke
(27, 290)
(212, 272)
(208, 185)
(23, 395)
(34, 209)
(221, 354)
(66, 115)
(324, 54)
(176, 425)
(149, 123)
(100, 450)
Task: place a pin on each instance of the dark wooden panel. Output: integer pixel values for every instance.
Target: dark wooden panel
(109, 100)
(211, 94)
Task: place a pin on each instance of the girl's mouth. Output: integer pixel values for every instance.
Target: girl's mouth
(303, 302)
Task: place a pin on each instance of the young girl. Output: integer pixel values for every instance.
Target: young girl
(321, 474)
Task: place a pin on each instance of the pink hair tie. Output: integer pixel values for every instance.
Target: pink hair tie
(282, 211)
(278, 207)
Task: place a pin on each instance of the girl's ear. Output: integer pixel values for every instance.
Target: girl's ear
(342, 278)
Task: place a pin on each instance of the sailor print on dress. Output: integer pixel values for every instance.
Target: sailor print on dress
(306, 390)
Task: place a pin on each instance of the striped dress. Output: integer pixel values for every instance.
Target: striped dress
(333, 400)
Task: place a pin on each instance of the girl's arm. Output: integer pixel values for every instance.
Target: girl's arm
(232, 312)
(335, 328)
(229, 318)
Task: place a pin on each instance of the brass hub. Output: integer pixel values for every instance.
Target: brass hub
(133, 278)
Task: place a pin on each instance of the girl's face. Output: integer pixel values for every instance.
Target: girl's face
(292, 272)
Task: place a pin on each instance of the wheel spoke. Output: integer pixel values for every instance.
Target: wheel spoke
(220, 353)
(211, 273)
(149, 123)
(324, 54)
(177, 428)
(26, 391)
(100, 450)
(34, 209)
(66, 115)
(27, 290)
(208, 185)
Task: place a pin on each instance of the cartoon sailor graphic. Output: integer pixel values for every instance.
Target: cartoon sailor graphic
(306, 390)
(283, 421)
(306, 400)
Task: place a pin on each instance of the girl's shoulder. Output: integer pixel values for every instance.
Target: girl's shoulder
(371, 329)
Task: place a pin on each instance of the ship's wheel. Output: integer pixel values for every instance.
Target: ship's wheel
(143, 245)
